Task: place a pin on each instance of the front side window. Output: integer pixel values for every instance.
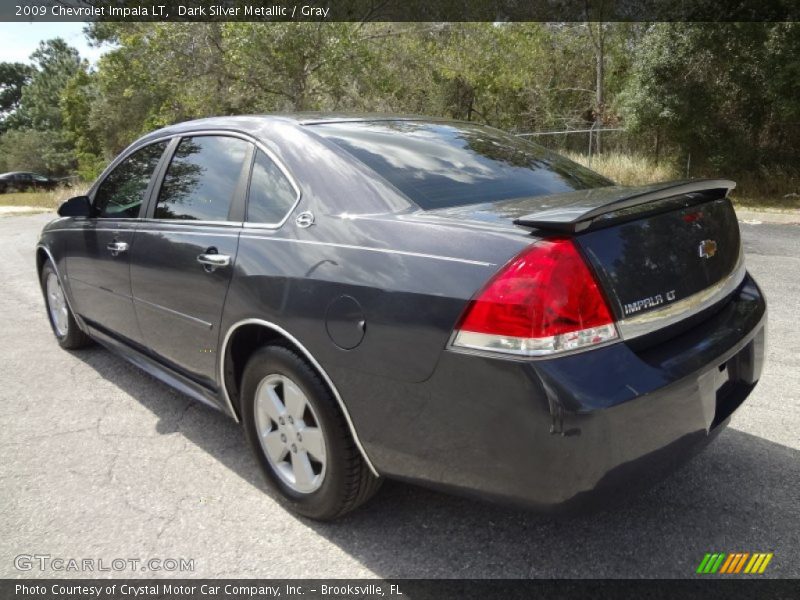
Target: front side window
(271, 194)
(202, 178)
(122, 192)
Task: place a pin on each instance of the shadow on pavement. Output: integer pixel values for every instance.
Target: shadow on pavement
(742, 494)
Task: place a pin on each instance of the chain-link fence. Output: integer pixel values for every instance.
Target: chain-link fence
(583, 141)
(593, 141)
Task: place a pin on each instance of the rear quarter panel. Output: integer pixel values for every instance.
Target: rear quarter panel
(411, 281)
(410, 275)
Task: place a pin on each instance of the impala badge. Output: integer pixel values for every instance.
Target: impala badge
(707, 249)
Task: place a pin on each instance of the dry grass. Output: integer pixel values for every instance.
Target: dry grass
(773, 188)
(627, 169)
(47, 200)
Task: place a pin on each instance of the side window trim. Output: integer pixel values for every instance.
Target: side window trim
(151, 196)
(282, 168)
(236, 212)
(238, 209)
(147, 212)
(148, 191)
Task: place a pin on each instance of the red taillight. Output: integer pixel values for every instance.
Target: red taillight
(544, 301)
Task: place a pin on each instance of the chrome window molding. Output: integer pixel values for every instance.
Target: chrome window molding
(309, 357)
(124, 155)
(190, 222)
(640, 325)
(203, 132)
(193, 232)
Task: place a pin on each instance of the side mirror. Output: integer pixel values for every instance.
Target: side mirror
(79, 206)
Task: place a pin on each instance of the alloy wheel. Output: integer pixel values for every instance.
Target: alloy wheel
(290, 433)
(57, 305)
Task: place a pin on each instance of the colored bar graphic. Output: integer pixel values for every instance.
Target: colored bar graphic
(757, 566)
(728, 564)
(752, 562)
(764, 564)
(710, 563)
(718, 563)
(703, 563)
(741, 562)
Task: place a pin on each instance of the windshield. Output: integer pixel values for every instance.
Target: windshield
(439, 165)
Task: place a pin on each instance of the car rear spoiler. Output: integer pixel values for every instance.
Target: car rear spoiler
(577, 211)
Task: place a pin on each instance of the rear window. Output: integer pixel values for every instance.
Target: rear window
(439, 165)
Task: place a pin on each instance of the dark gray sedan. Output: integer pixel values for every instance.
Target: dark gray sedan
(420, 299)
(22, 181)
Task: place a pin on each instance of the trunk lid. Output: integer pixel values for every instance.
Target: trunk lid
(654, 261)
(653, 246)
(672, 244)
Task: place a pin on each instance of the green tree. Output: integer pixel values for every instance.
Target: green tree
(722, 94)
(13, 78)
(34, 150)
(55, 63)
(295, 66)
(80, 129)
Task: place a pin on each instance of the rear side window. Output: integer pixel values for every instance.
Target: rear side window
(121, 193)
(439, 165)
(202, 178)
(271, 194)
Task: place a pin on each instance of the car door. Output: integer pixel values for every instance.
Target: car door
(98, 247)
(184, 254)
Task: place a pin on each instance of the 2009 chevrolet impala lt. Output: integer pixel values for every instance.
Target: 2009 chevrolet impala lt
(420, 299)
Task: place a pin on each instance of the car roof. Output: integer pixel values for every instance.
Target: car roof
(253, 123)
(312, 118)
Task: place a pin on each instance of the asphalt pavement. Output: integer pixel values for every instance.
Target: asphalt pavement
(101, 462)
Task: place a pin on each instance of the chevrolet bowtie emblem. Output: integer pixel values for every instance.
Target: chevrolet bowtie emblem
(707, 249)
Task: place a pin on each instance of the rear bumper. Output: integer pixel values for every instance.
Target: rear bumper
(560, 433)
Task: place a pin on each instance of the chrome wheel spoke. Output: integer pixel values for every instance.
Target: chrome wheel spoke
(301, 467)
(274, 446)
(314, 443)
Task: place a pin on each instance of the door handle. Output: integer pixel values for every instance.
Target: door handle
(213, 261)
(117, 247)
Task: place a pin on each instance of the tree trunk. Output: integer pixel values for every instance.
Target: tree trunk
(600, 75)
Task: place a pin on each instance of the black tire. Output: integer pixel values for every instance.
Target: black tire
(348, 481)
(73, 338)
